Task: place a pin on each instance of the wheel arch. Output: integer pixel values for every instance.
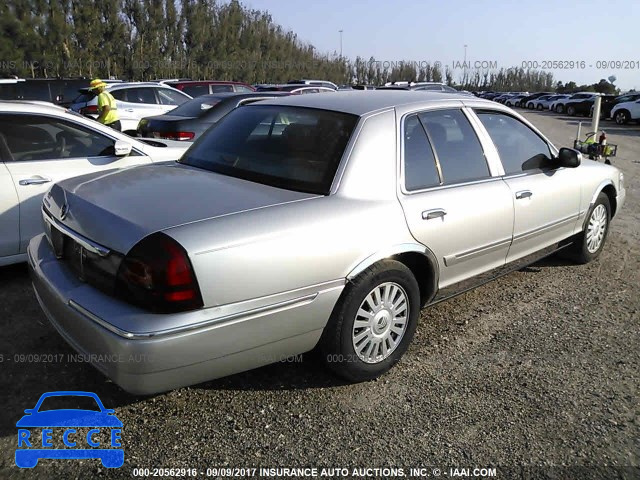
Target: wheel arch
(609, 190)
(419, 259)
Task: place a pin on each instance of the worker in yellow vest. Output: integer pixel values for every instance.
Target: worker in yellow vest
(106, 105)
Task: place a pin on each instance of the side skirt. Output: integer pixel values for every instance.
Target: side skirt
(486, 277)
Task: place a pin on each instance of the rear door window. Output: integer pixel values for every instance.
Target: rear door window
(456, 145)
(420, 170)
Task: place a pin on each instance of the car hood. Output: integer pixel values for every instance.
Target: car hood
(69, 418)
(118, 208)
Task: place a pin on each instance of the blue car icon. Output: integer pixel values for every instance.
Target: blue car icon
(31, 449)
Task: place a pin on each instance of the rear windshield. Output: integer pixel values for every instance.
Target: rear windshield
(84, 97)
(195, 107)
(287, 147)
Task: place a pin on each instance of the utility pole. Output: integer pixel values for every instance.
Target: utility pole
(340, 43)
(464, 63)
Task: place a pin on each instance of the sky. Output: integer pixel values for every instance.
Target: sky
(505, 33)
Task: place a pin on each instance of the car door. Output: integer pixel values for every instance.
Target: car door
(135, 103)
(546, 197)
(454, 203)
(46, 149)
(10, 217)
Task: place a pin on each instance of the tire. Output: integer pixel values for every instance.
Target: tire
(539, 107)
(622, 117)
(560, 109)
(340, 336)
(531, 106)
(571, 111)
(591, 242)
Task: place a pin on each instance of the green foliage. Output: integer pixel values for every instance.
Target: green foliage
(200, 39)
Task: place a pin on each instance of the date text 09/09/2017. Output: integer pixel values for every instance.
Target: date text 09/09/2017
(315, 472)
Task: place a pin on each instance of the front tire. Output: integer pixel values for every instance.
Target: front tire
(373, 323)
(591, 242)
(560, 109)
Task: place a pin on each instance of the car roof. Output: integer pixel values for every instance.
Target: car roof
(117, 86)
(34, 106)
(362, 102)
(225, 95)
(203, 82)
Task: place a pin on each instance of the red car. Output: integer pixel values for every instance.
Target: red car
(195, 88)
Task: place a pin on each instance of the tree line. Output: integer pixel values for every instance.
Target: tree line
(200, 39)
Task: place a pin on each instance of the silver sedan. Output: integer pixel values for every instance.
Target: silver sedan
(315, 221)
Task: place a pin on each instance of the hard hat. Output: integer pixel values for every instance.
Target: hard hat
(96, 83)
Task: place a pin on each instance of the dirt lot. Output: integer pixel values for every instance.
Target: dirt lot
(540, 368)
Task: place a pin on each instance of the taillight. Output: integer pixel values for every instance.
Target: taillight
(157, 276)
(89, 109)
(177, 135)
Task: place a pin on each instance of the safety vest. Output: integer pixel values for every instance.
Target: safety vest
(105, 98)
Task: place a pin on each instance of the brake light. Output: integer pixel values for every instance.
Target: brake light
(177, 135)
(157, 275)
(89, 109)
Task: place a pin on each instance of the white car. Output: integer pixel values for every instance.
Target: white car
(545, 101)
(135, 101)
(624, 112)
(41, 144)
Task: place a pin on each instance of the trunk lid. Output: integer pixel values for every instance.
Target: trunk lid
(118, 208)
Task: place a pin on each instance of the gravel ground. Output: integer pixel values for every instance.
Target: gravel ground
(539, 368)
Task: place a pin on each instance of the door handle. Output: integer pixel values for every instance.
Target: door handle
(37, 180)
(128, 110)
(434, 213)
(524, 194)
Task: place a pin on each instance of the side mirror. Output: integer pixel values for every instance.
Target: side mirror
(109, 411)
(570, 158)
(29, 411)
(122, 148)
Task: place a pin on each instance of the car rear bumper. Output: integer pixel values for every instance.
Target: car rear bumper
(155, 363)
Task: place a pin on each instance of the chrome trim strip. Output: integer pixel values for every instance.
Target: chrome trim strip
(85, 242)
(544, 228)
(451, 260)
(216, 322)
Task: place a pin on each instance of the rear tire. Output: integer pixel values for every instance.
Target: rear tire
(560, 109)
(591, 242)
(571, 110)
(622, 117)
(379, 307)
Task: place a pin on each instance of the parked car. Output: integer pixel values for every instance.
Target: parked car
(41, 144)
(135, 100)
(564, 105)
(605, 108)
(503, 97)
(528, 99)
(251, 248)
(424, 86)
(584, 107)
(315, 83)
(625, 112)
(515, 100)
(192, 118)
(294, 89)
(195, 88)
(543, 102)
(60, 91)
